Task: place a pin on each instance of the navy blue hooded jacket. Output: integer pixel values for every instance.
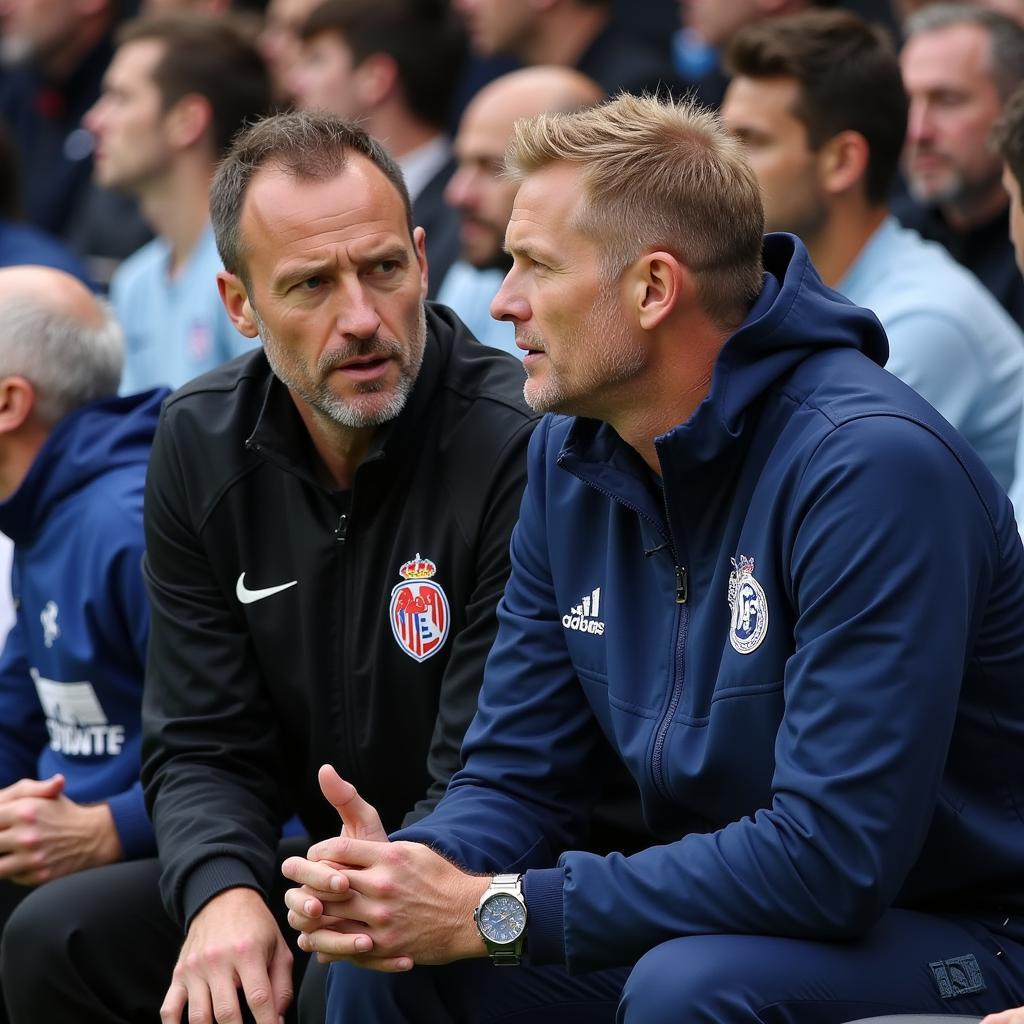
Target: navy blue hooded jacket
(71, 671)
(806, 642)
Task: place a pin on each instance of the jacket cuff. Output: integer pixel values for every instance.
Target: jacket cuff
(545, 934)
(212, 877)
(134, 830)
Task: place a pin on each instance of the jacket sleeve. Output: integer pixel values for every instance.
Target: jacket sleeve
(465, 669)
(524, 792)
(22, 725)
(212, 763)
(890, 560)
(129, 633)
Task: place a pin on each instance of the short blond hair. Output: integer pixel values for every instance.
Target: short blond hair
(659, 175)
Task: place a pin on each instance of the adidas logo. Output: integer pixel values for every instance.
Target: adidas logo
(583, 617)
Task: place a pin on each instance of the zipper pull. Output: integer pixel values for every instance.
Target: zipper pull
(341, 529)
(682, 584)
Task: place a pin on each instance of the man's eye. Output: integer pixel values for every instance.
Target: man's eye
(310, 284)
(387, 266)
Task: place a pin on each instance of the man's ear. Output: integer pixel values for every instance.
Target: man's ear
(376, 78)
(843, 162)
(419, 240)
(17, 400)
(657, 285)
(188, 120)
(235, 297)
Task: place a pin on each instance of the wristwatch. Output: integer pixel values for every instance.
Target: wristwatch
(501, 919)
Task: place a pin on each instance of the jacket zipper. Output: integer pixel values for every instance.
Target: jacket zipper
(679, 673)
(682, 593)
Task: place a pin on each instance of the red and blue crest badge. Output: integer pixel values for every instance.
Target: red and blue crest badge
(419, 612)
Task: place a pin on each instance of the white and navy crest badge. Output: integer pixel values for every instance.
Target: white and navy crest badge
(749, 606)
(48, 620)
(419, 613)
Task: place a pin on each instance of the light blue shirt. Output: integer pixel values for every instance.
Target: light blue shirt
(470, 292)
(948, 338)
(174, 328)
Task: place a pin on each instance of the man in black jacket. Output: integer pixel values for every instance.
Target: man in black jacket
(327, 526)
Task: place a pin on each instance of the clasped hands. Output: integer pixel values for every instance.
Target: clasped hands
(379, 904)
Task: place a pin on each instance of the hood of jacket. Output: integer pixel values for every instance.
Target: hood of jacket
(94, 439)
(795, 316)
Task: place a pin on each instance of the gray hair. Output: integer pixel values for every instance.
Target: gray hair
(308, 146)
(1006, 38)
(67, 362)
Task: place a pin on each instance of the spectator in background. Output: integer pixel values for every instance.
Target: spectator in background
(22, 243)
(713, 23)
(72, 465)
(393, 65)
(959, 64)
(818, 103)
(55, 54)
(572, 33)
(483, 194)
(280, 44)
(178, 89)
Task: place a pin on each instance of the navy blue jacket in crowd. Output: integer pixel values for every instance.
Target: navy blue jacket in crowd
(806, 642)
(72, 668)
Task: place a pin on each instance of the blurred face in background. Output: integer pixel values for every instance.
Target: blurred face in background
(954, 103)
(279, 41)
(496, 26)
(325, 77)
(715, 21)
(32, 29)
(129, 122)
(478, 189)
(759, 112)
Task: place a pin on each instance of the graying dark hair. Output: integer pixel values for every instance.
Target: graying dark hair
(68, 363)
(1006, 38)
(305, 145)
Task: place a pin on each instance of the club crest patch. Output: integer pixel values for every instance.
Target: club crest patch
(749, 606)
(48, 620)
(419, 612)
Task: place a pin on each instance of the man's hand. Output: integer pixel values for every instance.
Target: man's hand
(311, 910)
(382, 905)
(233, 941)
(1006, 1017)
(44, 835)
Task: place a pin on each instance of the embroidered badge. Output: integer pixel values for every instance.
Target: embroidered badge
(419, 610)
(960, 976)
(749, 606)
(48, 619)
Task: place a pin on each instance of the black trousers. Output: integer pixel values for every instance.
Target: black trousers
(98, 947)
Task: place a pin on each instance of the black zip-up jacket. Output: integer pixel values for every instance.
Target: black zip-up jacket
(248, 693)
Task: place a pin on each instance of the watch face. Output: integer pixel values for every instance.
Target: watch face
(502, 918)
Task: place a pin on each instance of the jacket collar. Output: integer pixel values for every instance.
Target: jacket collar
(281, 436)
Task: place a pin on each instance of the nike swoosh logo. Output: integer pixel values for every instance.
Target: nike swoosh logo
(247, 596)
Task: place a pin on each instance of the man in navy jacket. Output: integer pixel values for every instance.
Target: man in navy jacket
(781, 585)
(72, 466)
